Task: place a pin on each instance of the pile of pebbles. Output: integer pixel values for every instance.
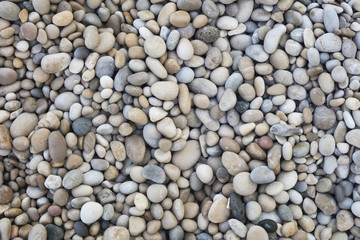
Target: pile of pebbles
(183, 119)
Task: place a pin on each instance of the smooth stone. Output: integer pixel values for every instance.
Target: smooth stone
(54, 232)
(352, 137)
(257, 232)
(185, 49)
(155, 46)
(262, 175)
(327, 145)
(289, 179)
(72, 179)
(204, 173)
(355, 208)
(35, 192)
(93, 178)
(324, 118)
(23, 125)
(64, 100)
(153, 173)
(7, 76)
(301, 149)
(188, 156)
(54, 63)
(238, 227)
(272, 38)
(237, 207)
(218, 211)
(328, 42)
(57, 146)
(6, 194)
(243, 184)
(37, 232)
(165, 90)
(116, 232)
(81, 126)
(9, 11)
(228, 100)
(285, 213)
(81, 229)
(135, 148)
(331, 19)
(257, 53)
(269, 225)
(63, 18)
(156, 193)
(105, 66)
(90, 212)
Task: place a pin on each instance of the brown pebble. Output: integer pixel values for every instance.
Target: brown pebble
(6, 194)
(29, 31)
(5, 138)
(54, 210)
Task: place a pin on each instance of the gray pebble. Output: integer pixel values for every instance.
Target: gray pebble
(105, 66)
(285, 213)
(262, 175)
(154, 173)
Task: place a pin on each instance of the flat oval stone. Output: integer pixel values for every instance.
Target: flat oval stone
(269, 225)
(153, 173)
(7, 76)
(165, 90)
(9, 11)
(57, 146)
(155, 46)
(64, 100)
(73, 179)
(262, 175)
(57, 62)
(24, 124)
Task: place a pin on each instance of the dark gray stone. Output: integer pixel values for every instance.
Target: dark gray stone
(54, 232)
(81, 126)
(81, 229)
(237, 207)
(285, 213)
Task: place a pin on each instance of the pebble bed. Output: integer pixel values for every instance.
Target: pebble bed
(183, 119)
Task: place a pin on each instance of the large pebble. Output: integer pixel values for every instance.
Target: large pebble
(7, 76)
(64, 100)
(9, 11)
(262, 175)
(23, 125)
(57, 146)
(57, 62)
(328, 42)
(165, 90)
(188, 156)
(91, 212)
(155, 46)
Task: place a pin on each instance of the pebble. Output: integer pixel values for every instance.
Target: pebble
(324, 118)
(262, 175)
(6, 194)
(38, 231)
(54, 232)
(269, 225)
(9, 11)
(243, 185)
(328, 42)
(155, 46)
(154, 173)
(81, 126)
(23, 125)
(7, 76)
(218, 212)
(257, 232)
(57, 62)
(90, 212)
(116, 232)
